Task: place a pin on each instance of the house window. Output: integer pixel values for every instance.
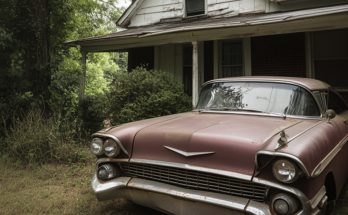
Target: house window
(231, 60)
(195, 7)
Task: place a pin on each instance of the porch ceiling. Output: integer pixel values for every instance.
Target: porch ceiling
(324, 18)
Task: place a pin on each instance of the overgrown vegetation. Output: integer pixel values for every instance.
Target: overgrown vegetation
(35, 139)
(144, 94)
(42, 119)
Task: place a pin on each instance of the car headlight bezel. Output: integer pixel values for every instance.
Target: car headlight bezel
(97, 146)
(285, 171)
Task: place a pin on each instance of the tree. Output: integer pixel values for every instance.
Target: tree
(32, 50)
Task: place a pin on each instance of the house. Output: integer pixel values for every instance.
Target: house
(198, 40)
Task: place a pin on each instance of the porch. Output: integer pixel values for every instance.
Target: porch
(308, 43)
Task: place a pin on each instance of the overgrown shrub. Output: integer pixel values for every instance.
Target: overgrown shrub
(35, 139)
(92, 113)
(144, 94)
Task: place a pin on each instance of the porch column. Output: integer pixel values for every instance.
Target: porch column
(83, 75)
(195, 80)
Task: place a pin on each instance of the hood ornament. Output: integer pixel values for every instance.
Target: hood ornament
(187, 154)
(283, 140)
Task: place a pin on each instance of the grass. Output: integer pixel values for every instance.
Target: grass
(55, 189)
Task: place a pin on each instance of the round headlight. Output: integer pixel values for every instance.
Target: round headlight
(285, 171)
(107, 171)
(97, 146)
(284, 204)
(111, 148)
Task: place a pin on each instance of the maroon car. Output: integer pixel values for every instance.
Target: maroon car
(253, 145)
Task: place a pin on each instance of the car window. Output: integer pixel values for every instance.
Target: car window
(336, 103)
(258, 97)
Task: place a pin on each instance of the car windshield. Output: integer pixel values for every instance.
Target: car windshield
(274, 98)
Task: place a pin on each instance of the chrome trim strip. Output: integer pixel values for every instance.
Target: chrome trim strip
(314, 202)
(258, 114)
(187, 154)
(282, 154)
(304, 131)
(329, 157)
(191, 167)
(107, 160)
(114, 138)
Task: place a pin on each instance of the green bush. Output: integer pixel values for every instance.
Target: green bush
(144, 94)
(92, 113)
(35, 139)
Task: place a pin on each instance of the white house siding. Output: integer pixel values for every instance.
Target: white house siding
(153, 11)
(300, 4)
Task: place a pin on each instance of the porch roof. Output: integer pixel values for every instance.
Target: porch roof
(209, 28)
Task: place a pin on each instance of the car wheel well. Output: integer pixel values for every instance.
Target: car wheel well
(330, 186)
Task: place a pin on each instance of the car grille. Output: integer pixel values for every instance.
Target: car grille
(196, 180)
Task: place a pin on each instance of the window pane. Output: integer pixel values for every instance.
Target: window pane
(336, 103)
(195, 7)
(231, 59)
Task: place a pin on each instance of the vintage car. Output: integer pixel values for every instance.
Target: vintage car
(252, 145)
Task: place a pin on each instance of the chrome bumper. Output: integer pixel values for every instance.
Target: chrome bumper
(175, 200)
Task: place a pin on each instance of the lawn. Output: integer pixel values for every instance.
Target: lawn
(55, 189)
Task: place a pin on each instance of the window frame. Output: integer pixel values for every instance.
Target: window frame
(193, 15)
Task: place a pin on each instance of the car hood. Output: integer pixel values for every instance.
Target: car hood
(211, 140)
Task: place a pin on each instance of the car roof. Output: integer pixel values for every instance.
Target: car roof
(311, 84)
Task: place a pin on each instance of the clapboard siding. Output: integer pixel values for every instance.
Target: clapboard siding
(153, 11)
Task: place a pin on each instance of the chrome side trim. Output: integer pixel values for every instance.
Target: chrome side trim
(329, 157)
(187, 154)
(304, 131)
(114, 138)
(192, 167)
(282, 154)
(314, 202)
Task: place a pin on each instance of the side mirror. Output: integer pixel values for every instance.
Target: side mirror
(330, 114)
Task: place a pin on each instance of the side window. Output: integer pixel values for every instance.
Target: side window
(336, 102)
